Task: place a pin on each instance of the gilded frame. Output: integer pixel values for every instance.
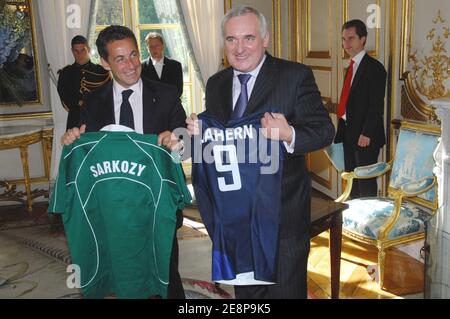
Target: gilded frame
(427, 128)
(38, 100)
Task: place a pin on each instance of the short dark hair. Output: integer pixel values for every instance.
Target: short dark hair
(110, 34)
(79, 39)
(359, 26)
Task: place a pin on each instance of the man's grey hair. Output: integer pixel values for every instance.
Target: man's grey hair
(243, 10)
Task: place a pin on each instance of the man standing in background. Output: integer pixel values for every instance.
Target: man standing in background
(78, 78)
(157, 67)
(361, 108)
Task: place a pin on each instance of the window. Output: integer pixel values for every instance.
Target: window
(153, 16)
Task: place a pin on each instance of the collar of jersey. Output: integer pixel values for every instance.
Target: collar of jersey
(116, 128)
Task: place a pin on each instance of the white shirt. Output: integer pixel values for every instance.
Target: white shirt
(158, 65)
(136, 103)
(356, 62)
(250, 85)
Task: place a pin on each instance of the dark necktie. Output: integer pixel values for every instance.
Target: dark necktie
(345, 91)
(126, 113)
(242, 100)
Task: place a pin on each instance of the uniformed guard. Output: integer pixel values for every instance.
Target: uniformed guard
(79, 78)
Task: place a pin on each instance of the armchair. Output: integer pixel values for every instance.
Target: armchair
(412, 196)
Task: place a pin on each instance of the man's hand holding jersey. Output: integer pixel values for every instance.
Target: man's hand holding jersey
(72, 134)
(170, 141)
(276, 127)
(192, 125)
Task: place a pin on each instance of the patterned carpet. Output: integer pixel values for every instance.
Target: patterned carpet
(34, 256)
(18, 217)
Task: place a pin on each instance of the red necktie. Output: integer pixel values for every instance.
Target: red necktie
(345, 91)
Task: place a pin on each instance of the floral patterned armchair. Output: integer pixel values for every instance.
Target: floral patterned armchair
(412, 194)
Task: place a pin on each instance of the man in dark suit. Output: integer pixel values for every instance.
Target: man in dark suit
(157, 67)
(303, 125)
(361, 108)
(77, 79)
(155, 109)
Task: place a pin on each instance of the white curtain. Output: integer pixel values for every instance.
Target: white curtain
(202, 20)
(167, 12)
(57, 34)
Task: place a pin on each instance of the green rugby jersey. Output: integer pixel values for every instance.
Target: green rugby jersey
(118, 193)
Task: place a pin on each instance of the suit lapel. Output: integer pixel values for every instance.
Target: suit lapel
(107, 107)
(224, 101)
(361, 69)
(152, 69)
(263, 84)
(165, 69)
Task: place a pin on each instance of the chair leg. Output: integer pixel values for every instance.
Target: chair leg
(381, 262)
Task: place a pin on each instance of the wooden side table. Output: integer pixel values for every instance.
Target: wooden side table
(326, 214)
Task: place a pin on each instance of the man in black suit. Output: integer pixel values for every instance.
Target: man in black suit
(361, 108)
(156, 109)
(303, 125)
(77, 79)
(157, 67)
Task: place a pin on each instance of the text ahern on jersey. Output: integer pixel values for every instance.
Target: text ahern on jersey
(238, 133)
(110, 167)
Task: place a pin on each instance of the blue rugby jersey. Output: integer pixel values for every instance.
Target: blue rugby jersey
(239, 205)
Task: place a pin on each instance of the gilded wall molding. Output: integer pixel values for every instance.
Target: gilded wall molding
(294, 29)
(410, 111)
(26, 116)
(321, 68)
(276, 28)
(405, 35)
(311, 53)
(430, 72)
(392, 85)
(425, 73)
(227, 5)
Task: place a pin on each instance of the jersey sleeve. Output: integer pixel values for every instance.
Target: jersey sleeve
(58, 196)
(186, 195)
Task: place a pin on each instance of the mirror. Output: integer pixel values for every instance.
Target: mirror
(18, 67)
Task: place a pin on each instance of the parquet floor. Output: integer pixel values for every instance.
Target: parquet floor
(404, 274)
